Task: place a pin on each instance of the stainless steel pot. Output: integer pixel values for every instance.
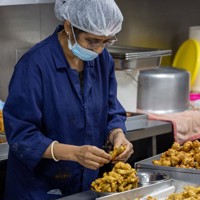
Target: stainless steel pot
(163, 90)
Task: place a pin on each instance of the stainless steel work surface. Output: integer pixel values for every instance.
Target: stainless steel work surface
(143, 191)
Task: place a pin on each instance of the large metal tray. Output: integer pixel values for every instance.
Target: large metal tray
(146, 190)
(128, 52)
(127, 57)
(192, 175)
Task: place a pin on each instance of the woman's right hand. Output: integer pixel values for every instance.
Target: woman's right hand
(91, 157)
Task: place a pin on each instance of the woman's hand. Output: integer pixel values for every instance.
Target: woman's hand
(91, 157)
(118, 140)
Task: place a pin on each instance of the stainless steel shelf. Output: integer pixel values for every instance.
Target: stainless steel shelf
(23, 2)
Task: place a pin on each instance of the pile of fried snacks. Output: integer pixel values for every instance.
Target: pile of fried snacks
(117, 151)
(181, 156)
(189, 193)
(122, 177)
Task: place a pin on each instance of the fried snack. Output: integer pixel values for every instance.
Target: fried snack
(1, 122)
(189, 193)
(151, 198)
(122, 178)
(117, 151)
(181, 156)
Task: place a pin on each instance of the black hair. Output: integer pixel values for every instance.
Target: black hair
(77, 31)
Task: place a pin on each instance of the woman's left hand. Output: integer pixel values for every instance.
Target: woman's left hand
(118, 140)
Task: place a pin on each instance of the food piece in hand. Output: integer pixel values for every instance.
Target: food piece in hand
(117, 151)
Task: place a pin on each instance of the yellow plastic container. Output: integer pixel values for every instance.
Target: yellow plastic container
(188, 58)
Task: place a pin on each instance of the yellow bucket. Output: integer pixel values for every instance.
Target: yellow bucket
(188, 58)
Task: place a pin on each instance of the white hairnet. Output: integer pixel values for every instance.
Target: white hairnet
(99, 17)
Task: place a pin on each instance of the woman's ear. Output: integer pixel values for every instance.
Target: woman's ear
(67, 27)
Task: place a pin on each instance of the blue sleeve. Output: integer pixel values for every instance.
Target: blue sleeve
(23, 115)
(116, 112)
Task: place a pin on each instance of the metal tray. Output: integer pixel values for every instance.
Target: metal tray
(128, 52)
(136, 121)
(146, 190)
(192, 175)
(126, 57)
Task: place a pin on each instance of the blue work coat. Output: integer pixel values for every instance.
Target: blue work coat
(45, 103)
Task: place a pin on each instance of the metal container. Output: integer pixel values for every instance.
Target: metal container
(146, 178)
(127, 57)
(149, 177)
(148, 190)
(192, 175)
(163, 90)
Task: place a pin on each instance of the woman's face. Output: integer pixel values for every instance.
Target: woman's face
(94, 42)
(88, 40)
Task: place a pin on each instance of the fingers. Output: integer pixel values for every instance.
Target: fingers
(94, 157)
(94, 165)
(126, 154)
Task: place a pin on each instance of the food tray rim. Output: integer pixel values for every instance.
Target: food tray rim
(145, 165)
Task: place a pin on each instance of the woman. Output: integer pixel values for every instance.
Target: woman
(62, 105)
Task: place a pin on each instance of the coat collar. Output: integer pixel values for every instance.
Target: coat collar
(58, 54)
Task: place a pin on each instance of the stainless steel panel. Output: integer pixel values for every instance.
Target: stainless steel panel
(157, 24)
(21, 27)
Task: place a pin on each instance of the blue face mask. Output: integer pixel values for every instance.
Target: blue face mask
(82, 53)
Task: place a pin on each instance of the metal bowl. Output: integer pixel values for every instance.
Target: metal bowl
(163, 90)
(151, 177)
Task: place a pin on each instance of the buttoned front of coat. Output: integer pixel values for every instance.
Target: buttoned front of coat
(45, 103)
